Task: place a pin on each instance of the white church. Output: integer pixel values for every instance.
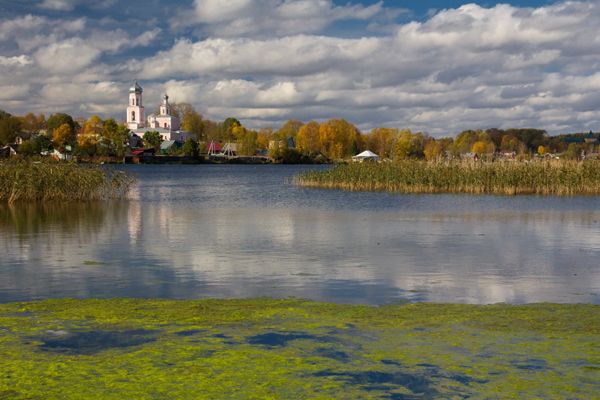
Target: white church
(167, 125)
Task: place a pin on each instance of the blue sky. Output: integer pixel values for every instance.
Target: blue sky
(431, 65)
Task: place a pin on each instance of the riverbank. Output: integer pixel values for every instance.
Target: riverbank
(558, 178)
(262, 348)
(59, 181)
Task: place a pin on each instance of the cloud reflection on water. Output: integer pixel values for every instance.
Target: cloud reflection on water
(158, 249)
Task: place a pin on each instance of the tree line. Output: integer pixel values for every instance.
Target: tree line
(294, 140)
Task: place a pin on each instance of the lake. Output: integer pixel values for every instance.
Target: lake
(243, 231)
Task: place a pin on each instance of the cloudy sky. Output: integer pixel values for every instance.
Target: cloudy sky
(431, 65)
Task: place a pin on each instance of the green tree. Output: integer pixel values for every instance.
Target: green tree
(152, 139)
(57, 120)
(9, 127)
(114, 138)
(573, 152)
(190, 148)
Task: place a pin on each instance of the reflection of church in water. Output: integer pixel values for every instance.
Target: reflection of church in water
(167, 125)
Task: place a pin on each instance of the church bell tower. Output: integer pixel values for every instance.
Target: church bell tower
(135, 109)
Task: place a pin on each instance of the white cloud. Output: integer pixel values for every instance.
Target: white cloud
(270, 17)
(269, 60)
(66, 57)
(17, 61)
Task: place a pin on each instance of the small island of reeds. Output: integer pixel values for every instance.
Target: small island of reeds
(557, 178)
(56, 181)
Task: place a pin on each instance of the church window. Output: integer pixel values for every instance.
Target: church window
(165, 125)
(137, 101)
(133, 116)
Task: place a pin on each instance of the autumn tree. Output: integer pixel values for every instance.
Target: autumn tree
(510, 143)
(289, 129)
(307, 139)
(228, 126)
(381, 141)
(263, 138)
(62, 137)
(33, 123)
(246, 140)
(433, 150)
(93, 126)
(57, 120)
(192, 122)
(542, 150)
(409, 145)
(338, 138)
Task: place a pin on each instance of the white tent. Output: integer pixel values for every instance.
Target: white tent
(366, 155)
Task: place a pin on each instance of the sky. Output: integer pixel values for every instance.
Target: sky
(429, 65)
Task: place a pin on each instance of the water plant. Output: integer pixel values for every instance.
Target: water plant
(562, 178)
(292, 349)
(56, 181)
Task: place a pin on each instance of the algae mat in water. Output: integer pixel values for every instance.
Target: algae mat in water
(292, 349)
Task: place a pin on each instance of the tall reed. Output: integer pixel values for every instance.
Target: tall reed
(54, 181)
(562, 178)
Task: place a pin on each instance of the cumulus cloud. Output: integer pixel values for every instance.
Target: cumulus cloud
(66, 57)
(270, 17)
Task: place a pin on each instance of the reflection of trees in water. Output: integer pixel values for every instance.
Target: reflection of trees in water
(33, 218)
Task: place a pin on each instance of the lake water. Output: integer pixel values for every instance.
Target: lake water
(246, 231)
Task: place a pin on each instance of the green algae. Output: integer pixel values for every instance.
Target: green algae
(279, 349)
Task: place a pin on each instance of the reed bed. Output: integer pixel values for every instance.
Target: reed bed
(54, 181)
(558, 178)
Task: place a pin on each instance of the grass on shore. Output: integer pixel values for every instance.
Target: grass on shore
(57, 181)
(293, 349)
(561, 178)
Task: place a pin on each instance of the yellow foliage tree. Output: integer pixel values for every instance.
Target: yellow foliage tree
(433, 150)
(338, 138)
(307, 139)
(62, 136)
(479, 147)
(93, 126)
(263, 138)
(381, 141)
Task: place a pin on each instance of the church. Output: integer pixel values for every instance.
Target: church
(166, 124)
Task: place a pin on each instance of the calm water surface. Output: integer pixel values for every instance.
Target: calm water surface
(246, 231)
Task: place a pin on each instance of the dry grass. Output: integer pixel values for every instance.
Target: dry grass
(559, 178)
(54, 181)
